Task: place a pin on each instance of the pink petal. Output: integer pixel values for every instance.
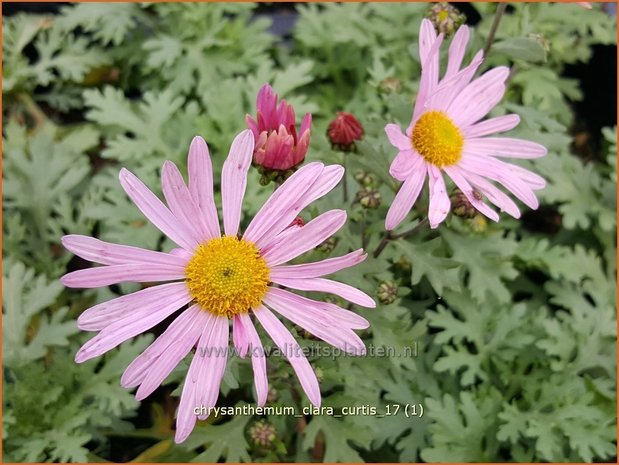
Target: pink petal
(104, 314)
(282, 206)
(155, 211)
(458, 178)
(511, 181)
(406, 197)
(107, 253)
(427, 36)
(534, 180)
(492, 126)
(479, 97)
(181, 203)
(439, 201)
(213, 347)
(258, 359)
(126, 328)
(494, 195)
(106, 275)
(505, 147)
(335, 334)
(321, 268)
(451, 87)
(234, 180)
(327, 313)
(345, 291)
(305, 124)
(330, 177)
(456, 51)
(405, 163)
(306, 238)
(201, 185)
(253, 126)
(429, 78)
(239, 337)
(397, 138)
(284, 340)
(186, 416)
(187, 324)
(174, 353)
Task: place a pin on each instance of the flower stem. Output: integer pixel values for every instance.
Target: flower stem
(500, 9)
(344, 183)
(389, 236)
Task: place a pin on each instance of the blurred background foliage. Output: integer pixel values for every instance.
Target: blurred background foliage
(515, 323)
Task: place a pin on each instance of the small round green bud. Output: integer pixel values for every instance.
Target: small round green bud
(460, 205)
(387, 292)
(446, 18)
(369, 198)
(262, 433)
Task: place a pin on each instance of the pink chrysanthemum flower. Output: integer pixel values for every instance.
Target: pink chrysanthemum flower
(278, 147)
(219, 278)
(446, 135)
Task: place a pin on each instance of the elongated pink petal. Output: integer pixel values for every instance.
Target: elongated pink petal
(479, 97)
(155, 211)
(306, 238)
(108, 253)
(427, 36)
(492, 126)
(201, 184)
(397, 138)
(283, 203)
(439, 201)
(188, 323)
(533, 180)
(406, 197)
(306, 124)
(494, 195)
(239, 336)
(337, 335)
(512, 182)
(459, 179)
(451, 87)
(321, 268)
(405, 163)
(505, 147)
(189, 406)
(104, 314)
(258, 359)
(234, 180)
(181, 204)
(327, 313)
(330, 177)
(126, 328)
(345, 291)
(176, 351)
(429, 79)
(284, 340)
(214, 349)
(456, 51)
(106, 275)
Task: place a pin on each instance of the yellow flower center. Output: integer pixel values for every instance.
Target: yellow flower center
(227, 276)
(437, 139)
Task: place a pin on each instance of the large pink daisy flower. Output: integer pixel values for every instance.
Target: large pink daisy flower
(446, 135)
(220, 278)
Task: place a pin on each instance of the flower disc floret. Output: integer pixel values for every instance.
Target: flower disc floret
(227, 276)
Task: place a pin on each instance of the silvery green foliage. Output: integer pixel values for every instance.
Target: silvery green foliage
(514, 323)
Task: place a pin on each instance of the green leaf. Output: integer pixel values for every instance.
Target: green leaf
(521, 48)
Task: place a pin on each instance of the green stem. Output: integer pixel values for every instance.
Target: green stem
(389, 236)
(344, 183)
(500, 9)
